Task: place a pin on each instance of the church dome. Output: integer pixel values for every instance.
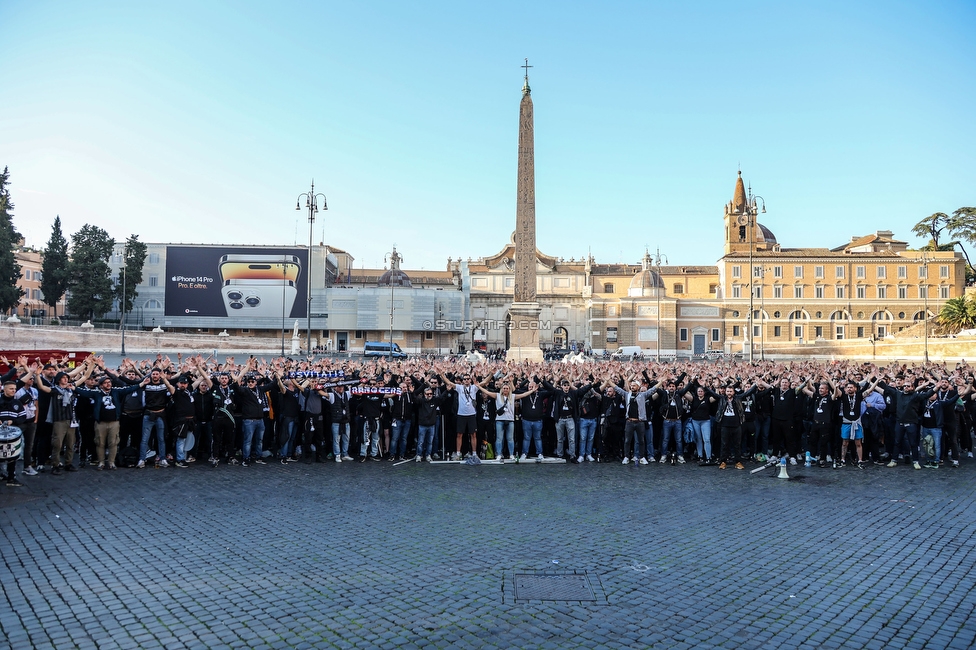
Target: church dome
(767, 234)
(644, 283)
(394, 277)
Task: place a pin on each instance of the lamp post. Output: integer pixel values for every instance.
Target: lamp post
(125, 252)
(748, 213)
(762, 313)
(394, 260)
(283, 282)
(657, 291)
(312, 204)
(925, 297)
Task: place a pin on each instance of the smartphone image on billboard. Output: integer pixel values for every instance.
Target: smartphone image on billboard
(284, 268)
(258, 298)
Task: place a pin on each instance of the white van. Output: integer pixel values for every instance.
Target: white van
(627, 352)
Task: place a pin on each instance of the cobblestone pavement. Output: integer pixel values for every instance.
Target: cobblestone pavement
(377, 556)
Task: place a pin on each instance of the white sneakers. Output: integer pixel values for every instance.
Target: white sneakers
(681, 459)
(643, 461)
(141, 464)
(590, 458)
(338, 459)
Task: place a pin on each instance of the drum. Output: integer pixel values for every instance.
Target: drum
(11, 443)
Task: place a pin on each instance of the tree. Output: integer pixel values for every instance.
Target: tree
(957, 314)
(54, 272)
(10, 293)
(962, 224)
(90, 278)
(932, 227)
(135, 259)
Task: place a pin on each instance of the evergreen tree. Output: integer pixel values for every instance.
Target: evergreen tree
(89, 275)
(10, 293)
(54, 272)
(135, 259)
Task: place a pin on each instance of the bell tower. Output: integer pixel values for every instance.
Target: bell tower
(739, 215)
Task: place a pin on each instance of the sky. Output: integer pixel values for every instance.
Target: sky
(202, 121)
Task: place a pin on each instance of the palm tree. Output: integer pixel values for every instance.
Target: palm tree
(957, 314)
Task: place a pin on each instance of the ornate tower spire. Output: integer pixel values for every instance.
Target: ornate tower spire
(525, 87)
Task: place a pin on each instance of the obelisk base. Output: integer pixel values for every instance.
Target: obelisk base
(524, 332)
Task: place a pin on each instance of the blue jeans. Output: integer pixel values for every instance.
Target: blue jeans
(531, 431)
(504, 432)
(587, 430)
(148, 423)
(337, 428)
(672, 429)
(937, 436)
(371, 438)
(565, 432)
(648, 440)
(703, 437)
(908, 438)
(253, 437)
(287, 447)
(398, 437)
(425, 439)
(762, 435)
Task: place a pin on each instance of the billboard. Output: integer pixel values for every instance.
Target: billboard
(248, 282)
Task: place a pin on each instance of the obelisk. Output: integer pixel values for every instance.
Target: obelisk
(524, 312)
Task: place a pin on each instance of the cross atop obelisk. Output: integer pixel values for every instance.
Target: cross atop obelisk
(524, 313)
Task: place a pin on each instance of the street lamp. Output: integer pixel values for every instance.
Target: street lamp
(925, 296)
(748, 214)
(657, 291)
(312, 204)
(394, 260)
(125, 252)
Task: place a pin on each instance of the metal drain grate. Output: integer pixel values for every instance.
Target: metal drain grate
(547, 586)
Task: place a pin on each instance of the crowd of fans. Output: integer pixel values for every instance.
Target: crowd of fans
(168, 413)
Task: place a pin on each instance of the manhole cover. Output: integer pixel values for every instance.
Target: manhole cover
(575, 586)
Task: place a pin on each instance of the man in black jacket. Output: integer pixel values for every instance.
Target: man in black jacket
(907, 398)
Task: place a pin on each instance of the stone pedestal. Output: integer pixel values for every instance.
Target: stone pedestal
(524, 332)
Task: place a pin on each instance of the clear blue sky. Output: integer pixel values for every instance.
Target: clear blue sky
(202, 121)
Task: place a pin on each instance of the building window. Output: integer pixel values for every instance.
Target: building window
(861, 293)
(923, 272)
(798, 291)
(944, 293)
(818, 291)
(839, 290)
(245, 330)
(839, 272)
(777, 331)
(755, 332)
(818, 271)
(27, 274)
(608, 287)
(923, 291)
(36, 294)
(683, 334)
(360, 334)
(429, 336)
(736, 291)
(840, 332)
(797, 271)
(860, 272)
(902, 271)
(153, 304)
(154, 258)
(818, 331)
(153, 280)
(757, 291)
(777, 271)
(736, 271)
(798, 331)
(777, 291)
(509, 283)
(882, 291)
(860, 332)
(882, 272)
(757, 271)
(902, 293)
(735, 330)
(715, 334)
(944, 271)
(679, 288)
(712, 288)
